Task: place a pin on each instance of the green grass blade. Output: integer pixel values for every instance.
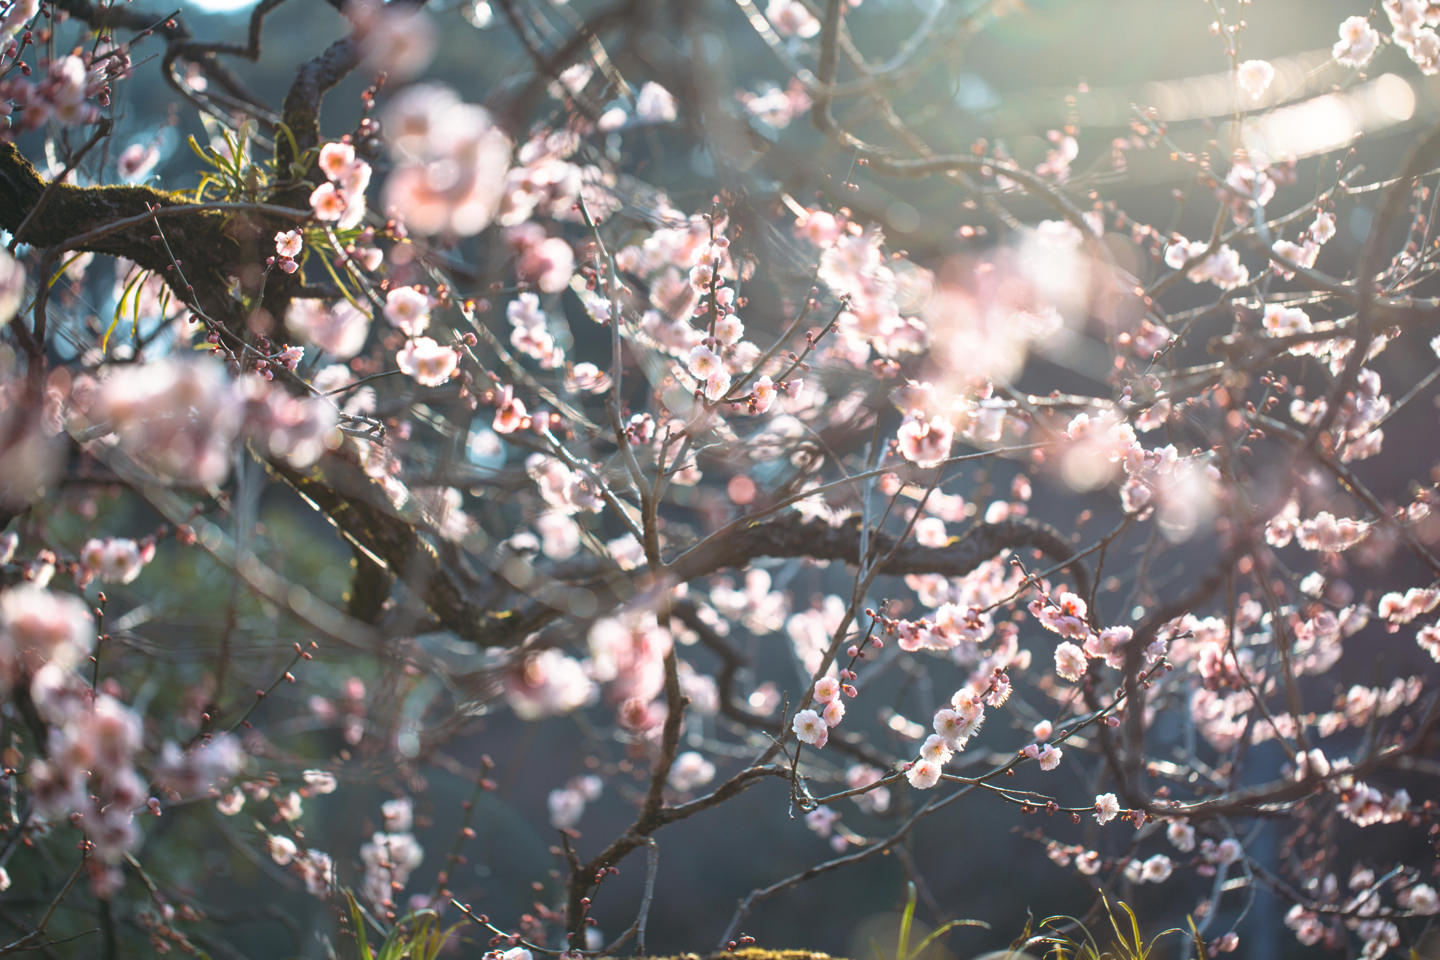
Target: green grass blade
(945, 928)
(907, 918)
(359, 922)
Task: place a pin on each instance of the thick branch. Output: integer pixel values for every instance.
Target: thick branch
(791, 535)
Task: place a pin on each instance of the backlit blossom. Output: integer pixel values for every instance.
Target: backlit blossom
(717, 385)
(1181, 835)
(826, 689)
(281, 849)
(923, 774)
(509, 413)
(762, 395)
(925, 442)
(1282, 321)
(288, 243)
(810, 728)
(691, 771)
(703, 362)
(339, 329)
(1254, 77)
(1107, 807)
(327, 202)
(336, 159)
(1429, 639)
(791, 19)
(408, 309)
(1070, 661)
(936, 749)
(1357, 44)
(429, 363)
(37, 626)
(451, 162)
(1156, 869)
(655, 104)
(1066, 615)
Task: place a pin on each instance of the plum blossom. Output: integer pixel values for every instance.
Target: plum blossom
(1329, 533)
(340, 329)
(38, 626)
(1357, 44)
(389, 859)
(1070, 661)
(1254, 77)
(791, 19)
(936, 749)
(1282, 321)
(1181, 836)
(655, 104)
(811, 728)
(547, 683)
(1220, 266)
(826, 689)
(328, 202)
(691, 771)
(509, 412)
(704, 363)
(924, 441)
(923, 774)
(1401, 608)
(451, 162)
(288, 243)
(115, 559)
(1107, 807)
(1156, 869)
(567, 806)
(1066, 615)
(1428, 637)
(408, 309)
(427, 362)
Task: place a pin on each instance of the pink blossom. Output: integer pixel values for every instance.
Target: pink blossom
(339, 329)
(1254, 77)
(925, 442)
(288, 243)
(510, 413)
(408, 309)
(762, 395)
(1070, 662)
(335, 160)
(826, 689)
(655, 104)
(1357, 44)
(1107, 807)
(1065, 616)
(810, 727)
(37, 626)
(923, 774)
(791, 19)
(327, 202)
(429, 363)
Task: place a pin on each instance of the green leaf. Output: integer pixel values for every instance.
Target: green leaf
(120, 309)
(359, 921)
(63, 267)
(200, 151)
(945, 928)
(907, 918)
